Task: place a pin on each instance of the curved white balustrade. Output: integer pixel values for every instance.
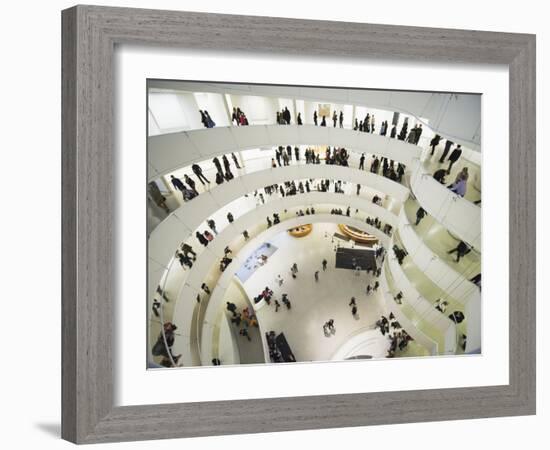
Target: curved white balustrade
(182, 223)
(435, 268)
(364, 342)
(169, 152)
(423, 307)
(226, 335)
(186, 308)
(215, 303)
(407, 324)
(459, 216)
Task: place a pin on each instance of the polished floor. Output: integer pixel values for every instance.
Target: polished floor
(314, 302)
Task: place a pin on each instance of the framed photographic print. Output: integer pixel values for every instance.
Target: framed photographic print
(267, 234)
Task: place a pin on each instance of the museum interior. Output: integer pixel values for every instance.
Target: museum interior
(301, 224)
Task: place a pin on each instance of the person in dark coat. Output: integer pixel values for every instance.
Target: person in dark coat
(211, 123)
(461, 250)
(197, 170)
(226, 164)
(286, 115)
(455, 155)
(190, 183)
(235, 161)
(418, 134)
(439, 175)
(434, 143)
(448, 146)
(218, 165)
(299, 119)
(201, 239)
(177, 183)
(420, 214)
(315, 117)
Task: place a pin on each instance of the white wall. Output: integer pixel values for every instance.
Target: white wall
(258, 110)
(31, 392)
(170, 112)
(215, 105)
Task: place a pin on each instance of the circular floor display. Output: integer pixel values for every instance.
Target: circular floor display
(301, 231)
(358, 235)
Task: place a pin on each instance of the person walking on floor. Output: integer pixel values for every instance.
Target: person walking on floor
(434, 143)
(235, 160)
(232, 308)
(362, 162)
(186, 249)
(177, 183)
(201, 238)
(244, 333)
(325, 262)
(212, 225)
(446, 150)
(420, 214)
(286, 301)
(461, 250)
(455, 155)
(316, 275)
(197, 170)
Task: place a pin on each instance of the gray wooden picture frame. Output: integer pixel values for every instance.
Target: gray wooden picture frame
(90, 34)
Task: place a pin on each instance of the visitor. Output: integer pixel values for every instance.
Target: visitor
(461, 250)
(197, 170)
(420, 214)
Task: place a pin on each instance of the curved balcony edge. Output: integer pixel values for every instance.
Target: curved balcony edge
(169, 152)
(456, 214)
(435, 268)
(424, 308)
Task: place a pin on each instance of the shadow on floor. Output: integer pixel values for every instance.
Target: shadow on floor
(53, 429)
